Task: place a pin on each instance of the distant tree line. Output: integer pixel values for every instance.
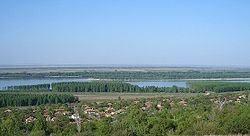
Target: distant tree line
(39, 87)
(110, 87)
(94, 87)
(218, 86)
(131, 75)
(11, 99)
(107, 86)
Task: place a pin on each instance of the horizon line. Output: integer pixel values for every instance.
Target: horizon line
(119, 65)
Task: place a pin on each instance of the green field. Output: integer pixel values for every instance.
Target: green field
(91, 96)
(114, 96)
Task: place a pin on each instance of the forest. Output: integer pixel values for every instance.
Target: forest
(39, 87)
(132, 75)
(103, 86)
(109, 87)
(218, 87)
(112, 86)
(25, 99)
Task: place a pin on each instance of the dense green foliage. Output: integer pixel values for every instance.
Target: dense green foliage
(95, 87)
(201, 116)
(109, 87)
(132, 75)
(218, 86)
(11, 99)
(40, 87)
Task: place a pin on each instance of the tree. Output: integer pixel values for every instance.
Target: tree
(40, 124)
(9, 127)
(104, 127)
(239, 122)
(37, 133)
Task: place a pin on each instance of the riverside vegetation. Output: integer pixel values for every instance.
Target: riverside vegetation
(134, 75)
(105, 86)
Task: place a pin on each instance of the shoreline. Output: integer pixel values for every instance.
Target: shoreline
(132, 80)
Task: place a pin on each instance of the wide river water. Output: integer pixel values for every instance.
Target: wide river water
(13, 82)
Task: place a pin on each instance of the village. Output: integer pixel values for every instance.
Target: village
(98, 110)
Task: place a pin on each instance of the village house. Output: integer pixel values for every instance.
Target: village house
(109, 114)
(172, 103)
(100, 114)
(148, 104)
(48, 118)
(238, 100)
(54, 119)
(66, 113)
(74, 116)
(207, 93)
(243, 96)
(46, 115)
(216, 101)
(30, 119)
(183, 102)
(109, 104)
(109, 109)
(120, 111)
(159, 106)
(7, 111)
(136, 101)
(58, 113)
(89, 110)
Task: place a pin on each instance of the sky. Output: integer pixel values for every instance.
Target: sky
(135, 32)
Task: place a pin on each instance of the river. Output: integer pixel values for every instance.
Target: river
(13, 82)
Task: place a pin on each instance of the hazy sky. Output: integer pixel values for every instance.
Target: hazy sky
(169, 32)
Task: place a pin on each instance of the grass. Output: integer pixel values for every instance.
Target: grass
(95, 96)
(113, 96)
